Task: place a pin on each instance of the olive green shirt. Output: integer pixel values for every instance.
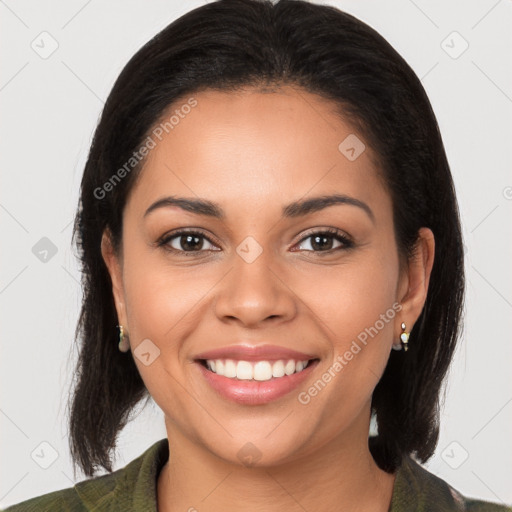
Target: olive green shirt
(133, 488)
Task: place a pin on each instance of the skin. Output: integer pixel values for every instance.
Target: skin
(252, 153)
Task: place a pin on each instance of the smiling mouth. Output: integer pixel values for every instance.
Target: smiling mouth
(255, 370)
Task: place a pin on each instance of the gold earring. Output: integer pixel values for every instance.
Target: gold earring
(124, 342)
(404, 338)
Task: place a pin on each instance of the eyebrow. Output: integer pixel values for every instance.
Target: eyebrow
(295, 209)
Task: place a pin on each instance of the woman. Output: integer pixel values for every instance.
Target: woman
(268, 216)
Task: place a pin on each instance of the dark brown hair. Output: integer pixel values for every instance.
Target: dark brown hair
(231, 44)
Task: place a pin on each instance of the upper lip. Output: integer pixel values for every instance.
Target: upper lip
(255, 353)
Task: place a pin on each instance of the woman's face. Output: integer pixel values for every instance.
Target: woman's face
(262, 272)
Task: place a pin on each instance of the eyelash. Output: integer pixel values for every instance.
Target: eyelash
(329, 232)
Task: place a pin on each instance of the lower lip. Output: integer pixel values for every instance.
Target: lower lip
(253, 392)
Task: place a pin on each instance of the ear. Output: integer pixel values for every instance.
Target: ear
(416, 277)
(114, 266)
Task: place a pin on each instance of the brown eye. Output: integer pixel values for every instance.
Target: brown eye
(324, 241)
(186, 242)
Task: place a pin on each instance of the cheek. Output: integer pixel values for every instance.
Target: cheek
(162, 307)
(352, 297)
(161, 298)
(357, 305)
(166, 305)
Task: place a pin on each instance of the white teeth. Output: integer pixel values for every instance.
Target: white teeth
(230, 368)
(243, 370)
(278, 369)
(262, 370)
(259, 370)
(290, 367)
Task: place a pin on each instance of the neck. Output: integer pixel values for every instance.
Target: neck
(341, 474)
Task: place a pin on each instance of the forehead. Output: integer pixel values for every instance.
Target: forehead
(250, 148)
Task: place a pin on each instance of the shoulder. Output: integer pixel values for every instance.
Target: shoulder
(416, 489)
(95, 491)
(127, 488)
(64, 500)
(473, 505)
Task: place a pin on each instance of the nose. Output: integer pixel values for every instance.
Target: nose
(255, 293)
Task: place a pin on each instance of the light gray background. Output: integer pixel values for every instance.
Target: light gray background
(49, 109)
